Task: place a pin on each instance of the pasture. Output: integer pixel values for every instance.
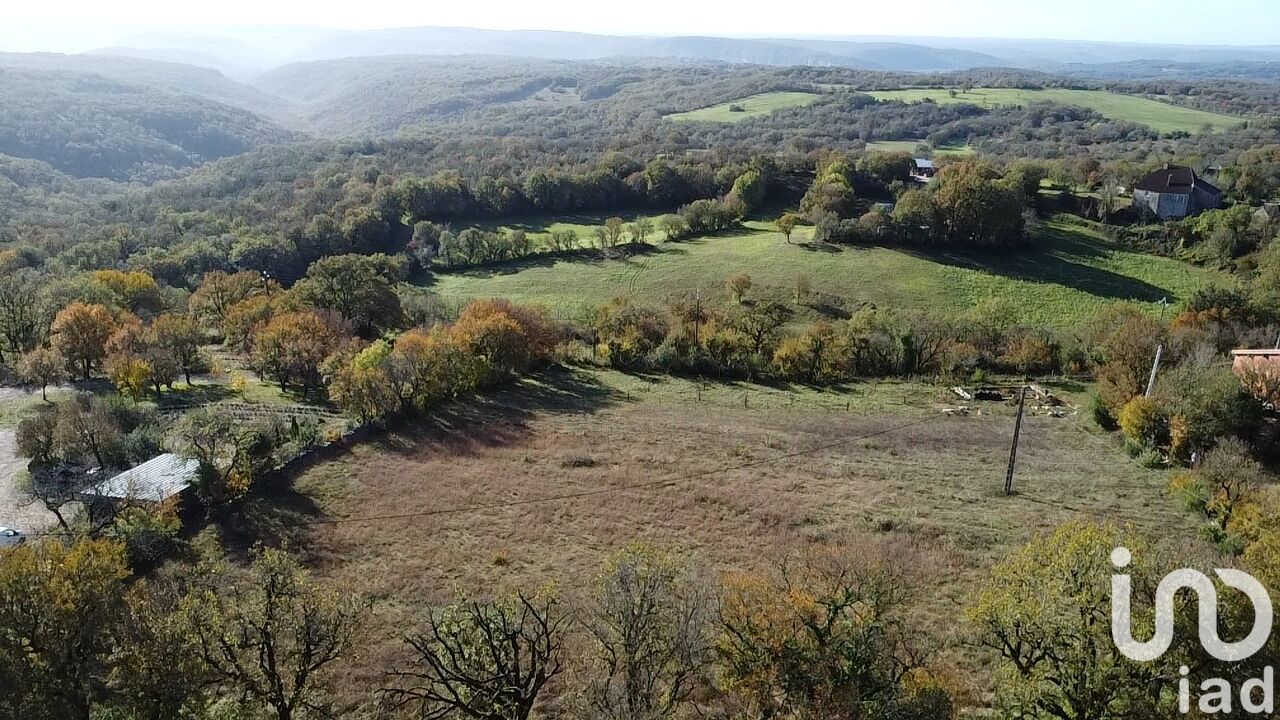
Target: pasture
(912, 146)
(1160, 116)
(1067, 274)
(752, 106)
(734, 475)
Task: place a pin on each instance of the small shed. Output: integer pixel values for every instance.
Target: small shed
(154, 481)
(923, 171)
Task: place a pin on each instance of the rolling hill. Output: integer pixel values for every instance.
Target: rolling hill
(1160, 116)
(90, 125)
(1069, 273)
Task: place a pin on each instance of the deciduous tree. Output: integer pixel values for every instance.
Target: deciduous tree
(271, 636)
(488, 661)
(80, 333)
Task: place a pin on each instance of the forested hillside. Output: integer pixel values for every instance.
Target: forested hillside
(88, 125)
(180, 77)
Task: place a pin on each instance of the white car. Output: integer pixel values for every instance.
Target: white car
(10, 537)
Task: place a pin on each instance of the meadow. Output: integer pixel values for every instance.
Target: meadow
(1063, 278)
(912, 146)
(761, 471)
(1161, 116)
(752, 106)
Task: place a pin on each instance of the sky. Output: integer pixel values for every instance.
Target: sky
(43, 24)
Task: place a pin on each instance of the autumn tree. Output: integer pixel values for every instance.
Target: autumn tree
(641, 228)
(219, 291)
(484, 660)
(1045, 611)
(613, 228)
(272, 636)
(41, 368)
(232, 454)
(823, 637)
(1226, 480)
(786, 224)
(976, 209)
(430, 365)
(130, 374)
(363, 386)
(134, 290)
(80, 333)
(245, 318)
(180, 336)
(61, 613)
(157, 673)
(738, 285)
(507, 338)
(831, 191)
(290, 347)
(649, 618)
(761, 323)
(673, 226)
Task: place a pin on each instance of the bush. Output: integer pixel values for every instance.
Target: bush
(1101, 415)
(1143, 422)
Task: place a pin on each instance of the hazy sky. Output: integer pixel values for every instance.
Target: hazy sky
(1234, 22)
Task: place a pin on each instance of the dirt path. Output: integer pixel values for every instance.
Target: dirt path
(16, 508)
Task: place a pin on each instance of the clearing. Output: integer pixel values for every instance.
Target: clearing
(911, 146)
(1064, 278)
(1160, 116)
(752, 106)
(759, 475)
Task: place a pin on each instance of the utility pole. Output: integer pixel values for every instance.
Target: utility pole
(1155, 368)
(697, 316)
(1017, 431)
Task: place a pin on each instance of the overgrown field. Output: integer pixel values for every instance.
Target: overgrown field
(754, 472)
(1160, 116)
(1063, 279)
(752, 106)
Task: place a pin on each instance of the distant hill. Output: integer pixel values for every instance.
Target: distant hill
(263, 48)
(330, 45)
(167, 74)
(92, 125)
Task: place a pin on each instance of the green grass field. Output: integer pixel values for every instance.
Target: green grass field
(540, 227)
(752, 106)
(911, 146)
(1069, 273)
(1161, 116)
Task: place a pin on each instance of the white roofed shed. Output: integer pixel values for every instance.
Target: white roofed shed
(154, 481)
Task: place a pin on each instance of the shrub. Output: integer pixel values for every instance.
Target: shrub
(1143, 422)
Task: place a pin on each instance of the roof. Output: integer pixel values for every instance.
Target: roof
(1175, 180)
(155, 480)
(923, 164)
(1256, 353)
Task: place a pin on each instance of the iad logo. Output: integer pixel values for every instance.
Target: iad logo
(1207, 597)
(1217, 695)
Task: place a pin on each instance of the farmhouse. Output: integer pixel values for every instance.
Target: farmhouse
(1175, 192)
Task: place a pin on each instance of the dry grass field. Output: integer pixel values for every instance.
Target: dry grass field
(891, 469)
